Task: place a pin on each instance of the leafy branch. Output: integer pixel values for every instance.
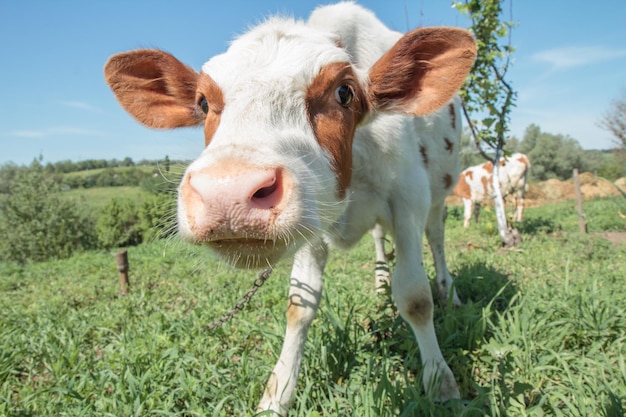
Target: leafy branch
(486, 92)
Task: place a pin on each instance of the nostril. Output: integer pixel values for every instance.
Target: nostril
(269, 192)
(266, 191)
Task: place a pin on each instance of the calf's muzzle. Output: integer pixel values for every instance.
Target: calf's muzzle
(233, 207)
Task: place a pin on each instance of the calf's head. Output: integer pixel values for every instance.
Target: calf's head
(279, 110)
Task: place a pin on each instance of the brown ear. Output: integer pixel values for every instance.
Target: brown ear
(155, 88)
(422, 71)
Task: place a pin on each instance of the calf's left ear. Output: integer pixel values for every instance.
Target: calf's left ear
(422, 71)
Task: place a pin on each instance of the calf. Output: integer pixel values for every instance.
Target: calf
(476, 184)
(314, 133)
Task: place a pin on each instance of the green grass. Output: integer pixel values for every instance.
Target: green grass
(541, 331)
(93, 199)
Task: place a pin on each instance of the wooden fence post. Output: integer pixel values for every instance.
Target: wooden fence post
(579, 203)
(121, 260)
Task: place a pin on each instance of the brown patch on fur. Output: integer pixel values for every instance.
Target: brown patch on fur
(449, 145)
(462, 188)
(424, 155)
(209, 89)
(420, 309)
(294, 314)
(452, 112)
(523, 159)
(334, 124)
(488, 167)
(153, 86)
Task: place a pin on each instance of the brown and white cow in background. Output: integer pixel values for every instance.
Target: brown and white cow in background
(475, 185)
(315, 132)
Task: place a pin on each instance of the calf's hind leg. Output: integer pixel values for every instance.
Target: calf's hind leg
(383, 279)
(435, 228)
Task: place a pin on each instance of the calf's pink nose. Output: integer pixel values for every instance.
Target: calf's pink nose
(233, 202)
(258, 189)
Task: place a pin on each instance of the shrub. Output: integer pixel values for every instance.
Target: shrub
(157, 217)
(36, 223)
(123, 223)
(118, 224)
(612, 171)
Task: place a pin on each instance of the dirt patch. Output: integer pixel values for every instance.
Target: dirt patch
(616, 238)
(552, 191)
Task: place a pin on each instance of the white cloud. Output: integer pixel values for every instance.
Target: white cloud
(81, 105)
(577, 56)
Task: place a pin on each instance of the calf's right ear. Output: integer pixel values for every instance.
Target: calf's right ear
(422, 71)
(157, 89)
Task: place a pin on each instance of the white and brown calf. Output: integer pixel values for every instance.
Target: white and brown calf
(476, 184)
(314, 133)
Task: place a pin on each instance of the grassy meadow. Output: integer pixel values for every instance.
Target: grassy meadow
(94, 199)
(542, 331)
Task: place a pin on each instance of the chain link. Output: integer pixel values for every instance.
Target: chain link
(258, 282)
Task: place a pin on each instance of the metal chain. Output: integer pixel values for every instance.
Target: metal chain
(261, 278)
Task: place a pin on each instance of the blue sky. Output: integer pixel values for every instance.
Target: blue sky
(570, 62)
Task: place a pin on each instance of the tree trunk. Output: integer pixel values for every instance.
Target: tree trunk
(579, 203)
(510, 238)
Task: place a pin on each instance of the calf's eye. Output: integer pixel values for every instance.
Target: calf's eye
(202, 103)
(344, 94)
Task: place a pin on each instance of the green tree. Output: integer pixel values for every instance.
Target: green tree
(552, 156)
(36, 223)
(8, 172)
(468, 154)
(531, 134)
(612, 170)
(118, 224)
(488, 95)
(127, 162)
(512, 145)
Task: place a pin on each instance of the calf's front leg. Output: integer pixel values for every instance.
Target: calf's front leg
(411, 291)
(305, 293)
